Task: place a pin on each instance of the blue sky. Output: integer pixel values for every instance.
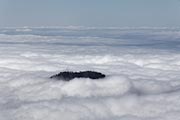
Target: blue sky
(102, 13)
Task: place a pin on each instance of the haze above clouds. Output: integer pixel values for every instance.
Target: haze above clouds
(89, 13)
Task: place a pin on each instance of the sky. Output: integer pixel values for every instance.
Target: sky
(95, 13)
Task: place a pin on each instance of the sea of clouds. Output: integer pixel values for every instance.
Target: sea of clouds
(142, 67)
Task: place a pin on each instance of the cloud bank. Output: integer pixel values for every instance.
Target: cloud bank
(142, 67)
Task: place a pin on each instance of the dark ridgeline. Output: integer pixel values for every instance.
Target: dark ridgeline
(69, 75)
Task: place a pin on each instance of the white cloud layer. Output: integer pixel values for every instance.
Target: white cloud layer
(142, 67)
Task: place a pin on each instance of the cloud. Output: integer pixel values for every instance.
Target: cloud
(142, 74)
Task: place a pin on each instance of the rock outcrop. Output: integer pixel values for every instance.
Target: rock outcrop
(68, 75)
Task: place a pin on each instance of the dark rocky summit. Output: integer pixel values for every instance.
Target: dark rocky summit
(68, 75)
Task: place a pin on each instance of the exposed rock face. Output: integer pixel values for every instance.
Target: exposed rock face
(68, 75)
